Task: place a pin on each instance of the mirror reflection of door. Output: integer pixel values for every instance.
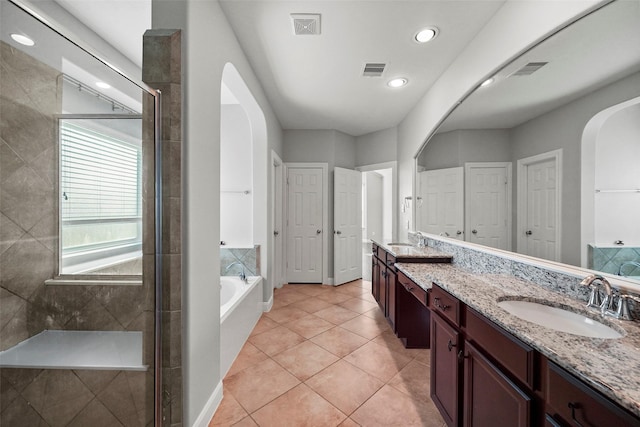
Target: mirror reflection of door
(441, 202)
(304, 230)
(539, 208)
(487, 193)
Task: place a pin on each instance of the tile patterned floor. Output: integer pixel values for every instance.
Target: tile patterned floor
(326, 356)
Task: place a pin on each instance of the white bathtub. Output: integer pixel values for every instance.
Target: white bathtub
(240, 308)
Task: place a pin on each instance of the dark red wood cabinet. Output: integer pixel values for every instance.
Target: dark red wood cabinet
(481, 375)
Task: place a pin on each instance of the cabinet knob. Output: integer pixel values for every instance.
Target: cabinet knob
(443, 307)
(528, 232)
(574, 407)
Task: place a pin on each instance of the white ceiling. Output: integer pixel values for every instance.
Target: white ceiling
(315, 82)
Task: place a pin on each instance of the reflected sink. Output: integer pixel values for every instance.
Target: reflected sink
(558, 319)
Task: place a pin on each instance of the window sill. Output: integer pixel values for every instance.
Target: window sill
(94, 281)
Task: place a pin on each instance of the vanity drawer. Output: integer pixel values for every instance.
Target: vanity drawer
(445, 304)
(570, 400)
(413, 289)
(515, 356)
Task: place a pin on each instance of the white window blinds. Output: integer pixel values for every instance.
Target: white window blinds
(100, 176)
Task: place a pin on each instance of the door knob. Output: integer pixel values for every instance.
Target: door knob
(474, 231)
(528, 232)
(276, 232)
(458, 232)
(318, 231)
(338, 232)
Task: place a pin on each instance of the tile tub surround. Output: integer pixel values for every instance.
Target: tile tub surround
(609, 259)
(248, 257)
(603, 363)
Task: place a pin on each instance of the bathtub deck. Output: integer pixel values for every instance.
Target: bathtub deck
(104, 350)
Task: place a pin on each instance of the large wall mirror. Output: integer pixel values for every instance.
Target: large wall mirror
(544, 159)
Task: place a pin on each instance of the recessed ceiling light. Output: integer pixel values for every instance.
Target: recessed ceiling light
(24, 40)
(426, 34)
(103, 85)
(487, 82)
(399, 82)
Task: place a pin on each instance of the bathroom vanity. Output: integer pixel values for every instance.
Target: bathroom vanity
(489, 367)
(404, 306)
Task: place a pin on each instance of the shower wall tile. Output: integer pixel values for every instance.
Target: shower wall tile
(7, 393)
(96, 381)
(10, 305)
(25, 198)
(124, 303)
(172, 168)
(9, 161)
(119, 397)
(172, 273)
(25, 266)
(15, 330)
(58, 396)
(95, 414)
(248, 257)
(45, 232)
(172, 225)
(93, 317)
(21, 414)
(26, 130)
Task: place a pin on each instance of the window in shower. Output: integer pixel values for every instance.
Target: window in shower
(100, 195)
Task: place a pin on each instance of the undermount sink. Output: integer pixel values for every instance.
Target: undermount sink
(558, 319)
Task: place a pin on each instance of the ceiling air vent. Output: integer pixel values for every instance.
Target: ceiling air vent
(529, 69)
(306, 24)
(373, 69)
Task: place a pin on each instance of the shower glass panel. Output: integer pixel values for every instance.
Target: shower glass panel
(77, 234)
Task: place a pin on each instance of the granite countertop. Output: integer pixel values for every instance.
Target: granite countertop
(406, 250)
(609, 365)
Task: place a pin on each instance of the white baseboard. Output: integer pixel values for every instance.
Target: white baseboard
(210, 408)
(266, 306)
(331, 281)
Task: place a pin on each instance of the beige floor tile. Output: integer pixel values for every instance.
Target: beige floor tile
(345, 386)
(334, 297)
(355, 290)
(305, 360)
(228, 413)
(349, 423)
(339, 341)
(246, 422)
(263, 325)
(378, 361)
(389, 340)
(366, 284)
(309, 326)
(311, 305)
(413, 380)
(367, 296)
(276, 340)
(248, 356)
(390, 408)
(375, 313)
(258, 385)
(366, 326)
(358, 305)
(288, 298)
(285, 314)
(336, 314)
(300, 406)
(313, 290)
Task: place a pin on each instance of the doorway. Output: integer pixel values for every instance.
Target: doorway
(379, 205)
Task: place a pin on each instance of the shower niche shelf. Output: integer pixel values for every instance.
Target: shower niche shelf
(99, 350)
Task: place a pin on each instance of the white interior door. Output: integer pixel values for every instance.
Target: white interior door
(540, 232)
(347, 224)
(488, 206)
(442, 204)
(304, 225)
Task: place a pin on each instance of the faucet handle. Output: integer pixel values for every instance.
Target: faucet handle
(595, 298)
(622, 312)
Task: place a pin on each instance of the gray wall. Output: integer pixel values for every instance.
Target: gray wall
(377, 147)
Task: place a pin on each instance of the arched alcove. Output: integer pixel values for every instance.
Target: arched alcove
(610, 178)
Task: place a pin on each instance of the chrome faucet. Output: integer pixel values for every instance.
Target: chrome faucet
(242, 274)
(422, 241)
(624, 264)
(595, 299)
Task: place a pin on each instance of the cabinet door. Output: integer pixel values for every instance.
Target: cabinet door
(445, 369)
(382, 293)
(490, 398)
(375, 278)
(391, 297)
